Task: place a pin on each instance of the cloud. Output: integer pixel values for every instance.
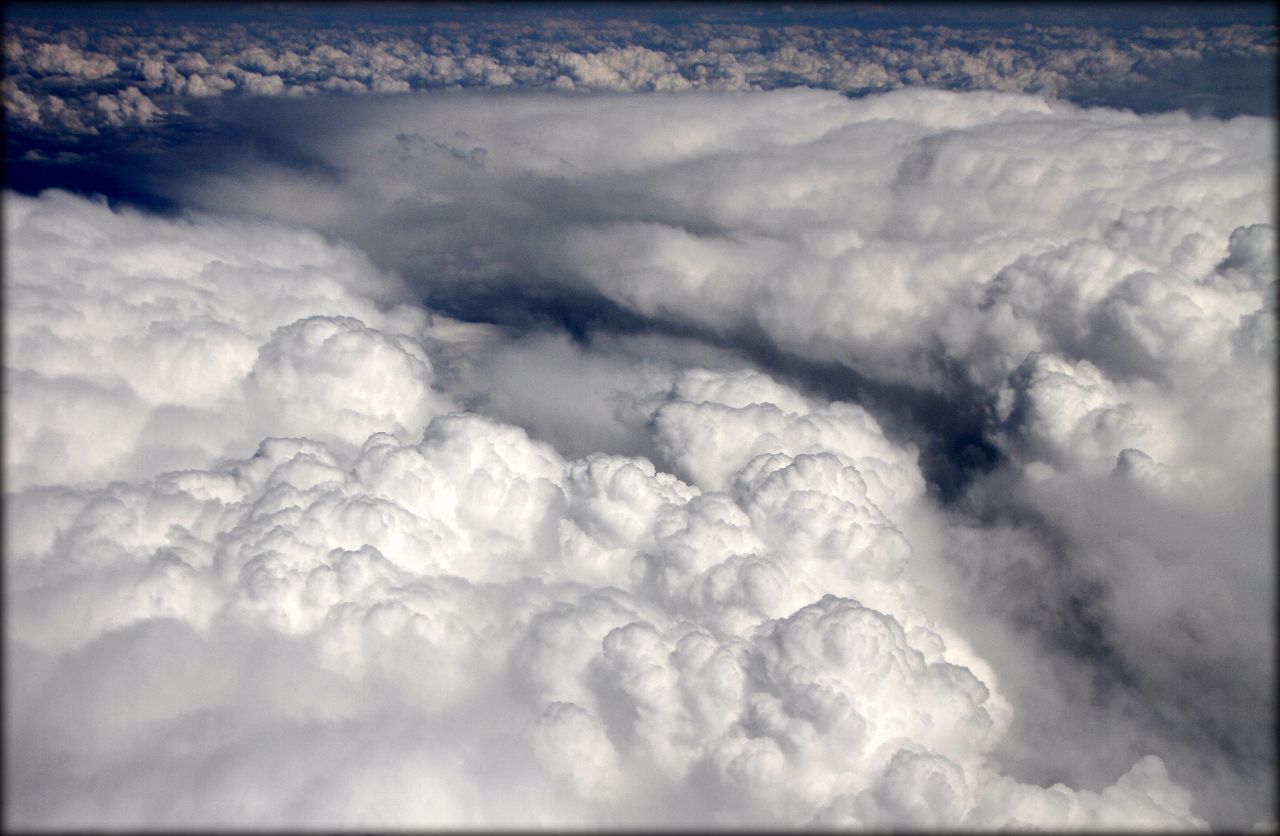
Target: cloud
(1057, 224)
(64, 59)
(194, 341)
(711, 429)
(1141, 798)
(271, 521)
(285, 593)
(340, 614)
(1094, 280)
(332, 376)
(60, 76)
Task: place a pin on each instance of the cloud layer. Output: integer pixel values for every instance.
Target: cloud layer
(465, 627)
(88, 80)
(271, 523)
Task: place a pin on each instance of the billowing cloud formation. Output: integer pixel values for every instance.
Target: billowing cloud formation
(195, 343)
(730, 598)
(330, 618)
(88, 80)
(886, 233)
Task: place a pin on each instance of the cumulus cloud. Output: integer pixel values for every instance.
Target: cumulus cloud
(1100, 279)
(650, 543)
(416, 580)
(149, 70)
(747, 646)
(1103, 281)
(193, 343)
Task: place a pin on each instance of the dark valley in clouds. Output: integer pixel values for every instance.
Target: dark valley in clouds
(612, 417)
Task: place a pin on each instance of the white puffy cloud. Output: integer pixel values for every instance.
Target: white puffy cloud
(284, 593)
(1141, 798)
(334, 377)
(128, 107)
(1103, 280)
(1071, 414)
(194, 341)
(628, 68)
(465, 608)
(64, 59)
(711, 440)
(269, 521)
(912, 236)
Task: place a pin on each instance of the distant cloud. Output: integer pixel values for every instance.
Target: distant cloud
(149, 70)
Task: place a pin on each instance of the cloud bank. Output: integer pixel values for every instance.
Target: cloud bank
(464, 626)
(271, 523)
(85, 80)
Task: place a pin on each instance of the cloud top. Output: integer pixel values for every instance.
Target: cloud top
(343, 611)
(287, 547)
(82, 80)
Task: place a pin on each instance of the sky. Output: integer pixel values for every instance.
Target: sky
(712, 415)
